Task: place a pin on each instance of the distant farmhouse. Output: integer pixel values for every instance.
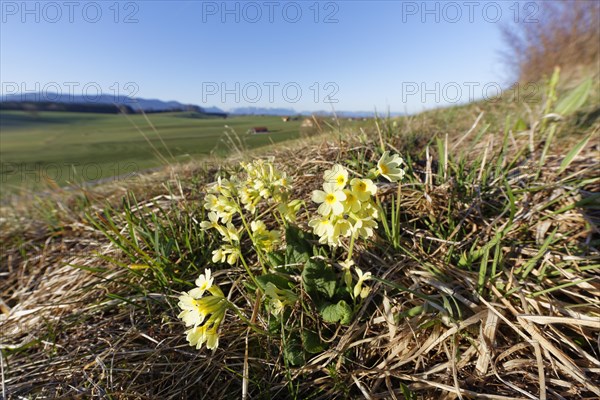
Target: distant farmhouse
(288, 119)
(258, 130)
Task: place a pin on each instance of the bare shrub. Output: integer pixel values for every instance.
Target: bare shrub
(562, 33)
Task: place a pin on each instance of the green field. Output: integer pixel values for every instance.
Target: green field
(37, 150)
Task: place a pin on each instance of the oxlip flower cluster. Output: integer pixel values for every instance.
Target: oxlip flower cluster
(351, 212)
(263, 182)
(203, 314)
(263, 185)
(344, 211)
(237, 209)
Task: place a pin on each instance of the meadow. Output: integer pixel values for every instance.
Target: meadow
(58, 148)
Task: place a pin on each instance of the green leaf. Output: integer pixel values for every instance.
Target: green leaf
(573, 153)
(292, 351)
(554, 80)
(312, 342)
(276, 259)
(591, 201)
(319, 279)
(520, 125)
(575, 99)
(413, 312)
(298, 249)
(528, 267)
(407, 393)
(340, 312)
(277, 280)
(464, 261)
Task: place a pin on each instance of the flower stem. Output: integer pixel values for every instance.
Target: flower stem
(257, 248)
(397, 216)
(352, 239)
(249, 271)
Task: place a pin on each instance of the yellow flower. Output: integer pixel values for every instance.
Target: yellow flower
(204, 314)
(358, 290)
(199, 335)
(290, 210)
(232, 258)
(331, 199)
(249, 199)
(191, 314)
(263, 237)
(364, 227)
(213, 221)
(346, 265)
(352, 203)
(211, 202)
(226, 253)
(258, 227)
(322, 226)
(389, 167)
(219, 255)
(203, 283)
(223, 187)
(212, 339)
(230, 233)
(279, 298)
(368, 211)
(337, 175)
(225, 209)
(196, 336)
(363, 188)
(341, 227)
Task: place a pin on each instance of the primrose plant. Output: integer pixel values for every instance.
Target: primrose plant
(255, 219)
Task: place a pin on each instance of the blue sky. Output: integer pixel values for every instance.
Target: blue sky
(366, 55)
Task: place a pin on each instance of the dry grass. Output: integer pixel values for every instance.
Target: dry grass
(77, 322)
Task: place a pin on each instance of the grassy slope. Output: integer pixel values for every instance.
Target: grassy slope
(103, 145)
(487, 236)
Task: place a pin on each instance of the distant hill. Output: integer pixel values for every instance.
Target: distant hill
(262, 111)
(356, 114)
(138, 104)
(291, 111)
(37, 106)
(135, 103)
(215, 110)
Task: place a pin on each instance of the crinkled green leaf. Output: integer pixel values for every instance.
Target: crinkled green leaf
(312, 342)
(276, 259)
(277, 280)
(298, 249)
(340, 312)
(319, 279)
(292, 351)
